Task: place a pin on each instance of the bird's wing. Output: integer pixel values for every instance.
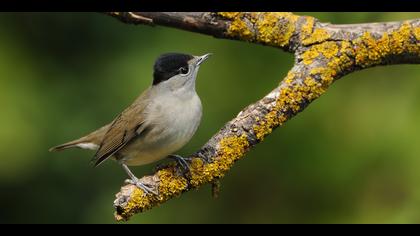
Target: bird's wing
(125, 127)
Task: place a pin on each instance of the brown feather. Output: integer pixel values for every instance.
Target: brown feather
(122, 129)
(94, 137)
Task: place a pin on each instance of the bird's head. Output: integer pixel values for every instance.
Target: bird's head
(177, 70)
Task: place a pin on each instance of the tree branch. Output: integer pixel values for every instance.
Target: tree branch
(324, 53)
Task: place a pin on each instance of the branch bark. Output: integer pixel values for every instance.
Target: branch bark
(323, 54)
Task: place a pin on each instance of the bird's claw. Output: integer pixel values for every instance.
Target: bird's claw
(181, 161)
(203, 157)
(146, 189)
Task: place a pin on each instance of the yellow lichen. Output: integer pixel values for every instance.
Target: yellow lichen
(295, 94)
(291, 99)
(270, 121)
(309, 55)
(289, 78)
(307, 28)
(271, 28)
(170, 183)
(399, 39)
(416, 32)
(137, 201)
(319, 35)
(327, 49)
(341, 62)
(346, 50)
(310, 36)
(276, 28)
(231, 149)
(315, 88)
(238, 27)
(229, 15)
(326, 74)
(368, 51)
(371, 51)
(197, 170)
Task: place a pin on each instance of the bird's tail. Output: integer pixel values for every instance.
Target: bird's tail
(90, 141)
(80, 143)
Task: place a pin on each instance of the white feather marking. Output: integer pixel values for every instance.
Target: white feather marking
(90, 146)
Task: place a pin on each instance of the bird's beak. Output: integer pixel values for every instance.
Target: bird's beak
(201, 59)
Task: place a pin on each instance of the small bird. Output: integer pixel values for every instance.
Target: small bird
(158, 123)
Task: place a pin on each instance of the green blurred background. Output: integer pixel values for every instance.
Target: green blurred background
(351, 157)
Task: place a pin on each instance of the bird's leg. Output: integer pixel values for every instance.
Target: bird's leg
(135, 181)
(181, 162)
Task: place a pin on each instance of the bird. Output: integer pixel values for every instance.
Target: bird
(160, 121)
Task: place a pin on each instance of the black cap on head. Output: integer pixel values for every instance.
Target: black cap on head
(169, 64)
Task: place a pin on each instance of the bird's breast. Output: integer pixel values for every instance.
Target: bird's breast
(172, 123)
(176, 120)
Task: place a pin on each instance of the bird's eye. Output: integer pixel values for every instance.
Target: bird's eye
(183, 70)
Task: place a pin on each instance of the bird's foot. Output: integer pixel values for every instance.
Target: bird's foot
(182, 162)
(203, 157)
(146, 189)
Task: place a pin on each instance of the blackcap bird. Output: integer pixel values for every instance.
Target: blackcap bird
(158, 123)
